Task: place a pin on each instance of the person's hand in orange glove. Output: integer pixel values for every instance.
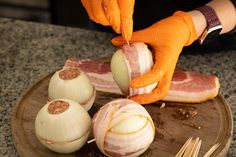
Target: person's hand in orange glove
(167, 38)
(115, 13)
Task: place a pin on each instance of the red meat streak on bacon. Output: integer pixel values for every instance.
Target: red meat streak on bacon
(182, 81)
(98, 71)
(192, 81)
(88, 65)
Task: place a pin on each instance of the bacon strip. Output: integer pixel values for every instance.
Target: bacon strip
(138, 63)
(116, 144)
(186, 86)
(189, 86)
(121, 145)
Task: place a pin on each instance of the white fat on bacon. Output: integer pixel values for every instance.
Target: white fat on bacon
(129, 62)
(192, 87)
(123, 128)
(144, 63)
(186, 86)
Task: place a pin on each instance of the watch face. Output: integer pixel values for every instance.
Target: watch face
(211, 36)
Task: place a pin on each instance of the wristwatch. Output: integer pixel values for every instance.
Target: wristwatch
(214, 26)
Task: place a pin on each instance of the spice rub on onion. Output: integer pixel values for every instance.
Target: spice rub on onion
(74, 84)
(63, 126)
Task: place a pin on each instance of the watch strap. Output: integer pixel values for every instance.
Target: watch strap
(210, 15)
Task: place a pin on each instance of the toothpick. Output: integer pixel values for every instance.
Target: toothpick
(181, 151)
(212, 150)
(90, 141)
(188, 150)
(196, 152)
(192, 149)
(163, 105)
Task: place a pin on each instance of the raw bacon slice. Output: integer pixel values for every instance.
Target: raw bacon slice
(186, 86)
(138, 60)
(189, 86)
(99, 73)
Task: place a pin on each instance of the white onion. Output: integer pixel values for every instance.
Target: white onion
(63, 125)
(74, 84)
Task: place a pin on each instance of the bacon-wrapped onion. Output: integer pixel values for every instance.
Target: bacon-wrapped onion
(123, 128)
(129, 62)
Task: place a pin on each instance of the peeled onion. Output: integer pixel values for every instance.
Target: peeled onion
(74, 84)
(129, 62)
(63, 126)
(123, 128)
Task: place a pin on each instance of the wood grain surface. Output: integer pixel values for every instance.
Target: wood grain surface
(175, 123)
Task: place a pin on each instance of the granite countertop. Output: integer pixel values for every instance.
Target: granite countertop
(31, 50)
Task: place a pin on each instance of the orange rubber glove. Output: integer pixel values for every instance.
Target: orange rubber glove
(167, 38)
(115, 13)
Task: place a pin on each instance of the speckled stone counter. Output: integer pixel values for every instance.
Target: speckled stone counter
(31, 50)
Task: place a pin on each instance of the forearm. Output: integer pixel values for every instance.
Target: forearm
(226, 13)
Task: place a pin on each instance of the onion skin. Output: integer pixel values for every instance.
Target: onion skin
(113, 138)
(78, 88)
(65, 147)
(62, 131)
(129, 62)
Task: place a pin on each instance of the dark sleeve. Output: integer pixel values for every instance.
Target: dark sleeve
(234, 2)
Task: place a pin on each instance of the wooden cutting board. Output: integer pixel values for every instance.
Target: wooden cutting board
(175, 123)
